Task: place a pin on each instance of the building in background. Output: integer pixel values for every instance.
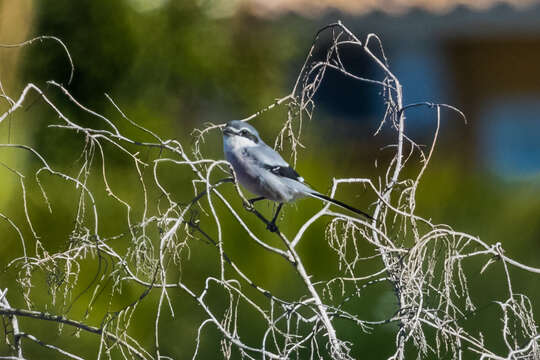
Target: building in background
(481, 55)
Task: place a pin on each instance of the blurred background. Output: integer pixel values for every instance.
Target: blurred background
(173, 66)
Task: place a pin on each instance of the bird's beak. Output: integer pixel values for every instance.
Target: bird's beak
(227, 130)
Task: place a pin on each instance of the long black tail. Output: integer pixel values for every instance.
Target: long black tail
(341, 204)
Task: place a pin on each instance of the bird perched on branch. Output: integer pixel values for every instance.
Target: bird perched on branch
(262, 171)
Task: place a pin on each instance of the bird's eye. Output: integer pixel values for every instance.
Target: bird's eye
(243, 132)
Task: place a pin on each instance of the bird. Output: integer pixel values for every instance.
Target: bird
(263, 171)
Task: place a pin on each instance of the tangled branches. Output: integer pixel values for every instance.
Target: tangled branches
(423, 262)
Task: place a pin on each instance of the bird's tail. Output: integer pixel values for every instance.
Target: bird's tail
(340, 204)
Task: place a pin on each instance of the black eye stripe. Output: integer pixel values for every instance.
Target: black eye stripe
(245, 133)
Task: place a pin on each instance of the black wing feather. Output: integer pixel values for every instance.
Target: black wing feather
(285, 171)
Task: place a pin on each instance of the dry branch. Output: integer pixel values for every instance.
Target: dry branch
(420, 260)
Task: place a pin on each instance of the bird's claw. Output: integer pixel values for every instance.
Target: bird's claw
(271, 227)
(249, 206)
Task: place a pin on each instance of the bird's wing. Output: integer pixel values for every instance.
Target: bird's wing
(287, 172)
(270, 160)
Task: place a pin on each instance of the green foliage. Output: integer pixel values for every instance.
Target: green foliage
(172, 70)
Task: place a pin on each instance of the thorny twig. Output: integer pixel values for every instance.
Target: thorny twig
(422, 261)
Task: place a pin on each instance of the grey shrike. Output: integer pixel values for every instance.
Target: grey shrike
(262, 171)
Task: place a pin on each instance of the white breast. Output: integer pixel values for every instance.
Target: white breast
(239, 142)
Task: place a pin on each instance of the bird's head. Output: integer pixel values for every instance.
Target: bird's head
(240, 134)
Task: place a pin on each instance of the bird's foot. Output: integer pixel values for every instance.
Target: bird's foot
(248, 205)
(272, 227)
